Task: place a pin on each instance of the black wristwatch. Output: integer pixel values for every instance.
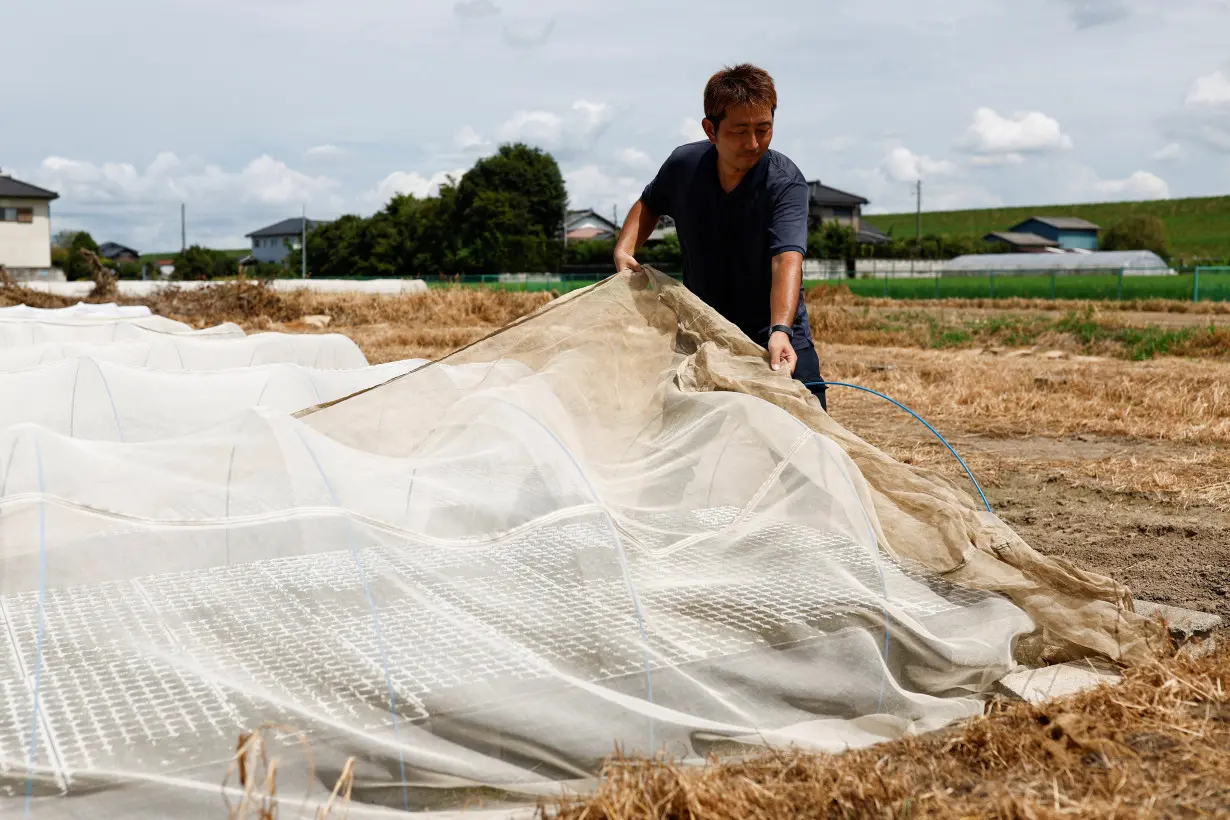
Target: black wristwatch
(787, 329)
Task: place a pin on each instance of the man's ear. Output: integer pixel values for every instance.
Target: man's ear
(710, 130)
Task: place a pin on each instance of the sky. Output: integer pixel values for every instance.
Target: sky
(247, 111)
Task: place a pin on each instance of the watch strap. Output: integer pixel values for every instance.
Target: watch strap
(787, 329)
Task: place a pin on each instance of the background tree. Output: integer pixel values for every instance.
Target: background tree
(511, 203)
(196, 262)
(66, 253)
(506, 214)
(530, 175)
(1142, 232)
(351, 246)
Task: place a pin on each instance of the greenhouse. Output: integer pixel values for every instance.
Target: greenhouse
(1131, 263)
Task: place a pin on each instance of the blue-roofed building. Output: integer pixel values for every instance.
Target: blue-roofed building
(1068, 232)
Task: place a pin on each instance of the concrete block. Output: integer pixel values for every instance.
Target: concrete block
(1183, 623)
(1060, 680)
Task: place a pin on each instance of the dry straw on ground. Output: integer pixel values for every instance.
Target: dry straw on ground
(1007, 394)
(1157, 745)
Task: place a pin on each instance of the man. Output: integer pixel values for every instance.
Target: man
(740, 211)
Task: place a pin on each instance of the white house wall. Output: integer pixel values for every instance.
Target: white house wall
(22, 244)
(272, 248)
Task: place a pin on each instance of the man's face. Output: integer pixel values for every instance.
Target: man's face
(743, 135)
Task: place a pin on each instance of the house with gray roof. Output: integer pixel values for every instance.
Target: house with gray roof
(117, 252)
(828, 204)
(1067, 232)
(1021, 242)
(25, 228)
(274, 242)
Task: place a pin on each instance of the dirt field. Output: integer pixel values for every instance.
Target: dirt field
(1132, 479)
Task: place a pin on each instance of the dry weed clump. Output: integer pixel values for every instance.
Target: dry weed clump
(427, 325)
(1157, 745)
(254, 770)
(14, 293)
(246, 301)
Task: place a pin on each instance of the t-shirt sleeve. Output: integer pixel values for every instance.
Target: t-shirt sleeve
(658, 194)
(788, 224)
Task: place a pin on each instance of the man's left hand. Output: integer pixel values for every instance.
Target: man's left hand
(781, 353)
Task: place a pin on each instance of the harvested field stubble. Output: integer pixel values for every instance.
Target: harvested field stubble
(1020, 395)
(1158, 745)
(252, 301)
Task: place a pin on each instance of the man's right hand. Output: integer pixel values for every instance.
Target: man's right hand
(626, 261)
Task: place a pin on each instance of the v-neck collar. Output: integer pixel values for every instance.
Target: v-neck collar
(746, 183)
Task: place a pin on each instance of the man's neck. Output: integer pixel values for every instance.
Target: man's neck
(729, 177)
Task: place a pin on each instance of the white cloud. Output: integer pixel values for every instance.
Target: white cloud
(1205, 115)
(590, 186)
(1210, 90)
(121, 201)
(325, 152)
(593, 116)
(410, 182)
(1170, 151)
(1022, 132)
(169, 179)
(542, 127)
(890, 185)
(1140, 185)
(635, 158)
(996, 160)
(691, 130)
(475, 9)
(529, 34)
(901, 164)
(1091, 13)
(468, 139)
(575, 130)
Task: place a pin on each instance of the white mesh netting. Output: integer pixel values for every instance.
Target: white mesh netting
(607, 524)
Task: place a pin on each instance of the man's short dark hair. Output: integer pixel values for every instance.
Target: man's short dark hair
(743, 84)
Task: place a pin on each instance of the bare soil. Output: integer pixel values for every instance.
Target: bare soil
(1055, 491)
(1166, 555)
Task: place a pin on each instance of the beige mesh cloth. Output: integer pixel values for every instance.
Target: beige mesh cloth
(608, 524)
(635, 342)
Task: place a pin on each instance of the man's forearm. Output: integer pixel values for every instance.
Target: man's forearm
(787, 279)
(637, 227)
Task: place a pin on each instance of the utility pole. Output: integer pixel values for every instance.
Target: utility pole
(918, 215)
(183, 227)
(565, 224)
(303, 246)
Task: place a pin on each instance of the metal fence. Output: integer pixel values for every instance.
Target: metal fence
(1199, 284)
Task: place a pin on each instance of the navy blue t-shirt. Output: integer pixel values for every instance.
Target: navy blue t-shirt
(729, 239)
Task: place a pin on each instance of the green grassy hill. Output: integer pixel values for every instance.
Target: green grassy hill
(1198, 228)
